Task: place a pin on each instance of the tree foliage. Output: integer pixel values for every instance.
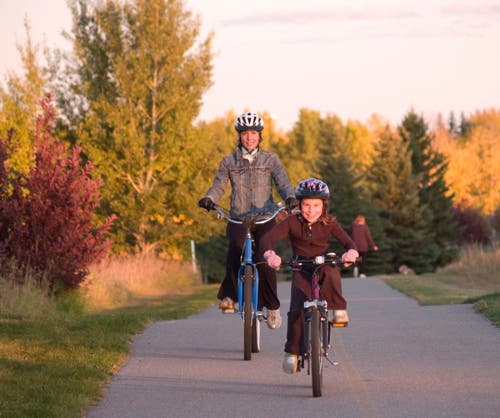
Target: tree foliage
(395, 195)
(19, 105)
(429, 166)
(140, 77)
(47, 220)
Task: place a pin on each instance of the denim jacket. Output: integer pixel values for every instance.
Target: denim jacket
(251, 182)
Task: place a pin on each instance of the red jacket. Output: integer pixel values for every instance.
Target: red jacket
(362, 236)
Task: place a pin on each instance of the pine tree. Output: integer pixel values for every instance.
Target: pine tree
(465, 125)
(452, 125)
(336, 167)
(430, 167)
(395, 195)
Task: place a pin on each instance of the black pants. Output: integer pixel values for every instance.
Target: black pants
(362, 262)
(268, 294)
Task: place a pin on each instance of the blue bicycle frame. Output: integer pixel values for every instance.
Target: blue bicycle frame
(246, 272)
(248, 261)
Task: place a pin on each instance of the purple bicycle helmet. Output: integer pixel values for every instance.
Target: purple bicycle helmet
(312, 187)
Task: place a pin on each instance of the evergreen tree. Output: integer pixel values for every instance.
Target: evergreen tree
(430, 167)
(465, 125)
(336, 168)
(395, 195)
(139, 73)
(452, 125)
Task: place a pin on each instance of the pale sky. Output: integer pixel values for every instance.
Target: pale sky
(351, 58)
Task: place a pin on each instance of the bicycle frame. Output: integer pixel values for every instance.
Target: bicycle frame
(248, 282)
(317, 327)
(248, 261)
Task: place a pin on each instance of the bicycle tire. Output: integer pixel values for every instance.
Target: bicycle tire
(247, 312)
(255, 335)
(316, 357)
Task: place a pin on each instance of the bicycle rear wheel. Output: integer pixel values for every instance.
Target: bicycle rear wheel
(316, 357)
(247, 312)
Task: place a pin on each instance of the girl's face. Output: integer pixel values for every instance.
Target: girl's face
(311, 209)
(250, 139)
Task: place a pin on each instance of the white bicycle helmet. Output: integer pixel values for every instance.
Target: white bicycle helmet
(311, 188)
(249, 122)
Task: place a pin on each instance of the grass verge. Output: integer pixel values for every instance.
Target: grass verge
(475, 279)
(56, 356)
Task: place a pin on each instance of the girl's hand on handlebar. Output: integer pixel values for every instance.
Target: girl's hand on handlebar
(350, 256)
(273, 260)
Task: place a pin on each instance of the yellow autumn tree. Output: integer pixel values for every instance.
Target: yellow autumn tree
(19, 104)
(474, 163)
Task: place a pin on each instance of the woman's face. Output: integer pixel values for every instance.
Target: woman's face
(312, 209)
(250, 139)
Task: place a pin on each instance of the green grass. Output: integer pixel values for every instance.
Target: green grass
(475, 279)
(57, 365)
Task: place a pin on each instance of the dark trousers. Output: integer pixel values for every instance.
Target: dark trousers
(268, 294)
(362, 262)
(331, 290)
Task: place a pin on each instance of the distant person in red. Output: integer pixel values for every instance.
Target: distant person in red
(362, 236)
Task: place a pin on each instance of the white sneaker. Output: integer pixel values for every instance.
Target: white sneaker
(290, 363)
(362, 276)
(227, 304)
(273, 318)
(340, 316)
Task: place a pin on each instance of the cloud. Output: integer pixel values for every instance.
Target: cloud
(334, 24)
(307, 17)
(461, 9)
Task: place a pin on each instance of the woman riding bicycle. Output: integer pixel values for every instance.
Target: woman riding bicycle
(309, 233)
(252, 172)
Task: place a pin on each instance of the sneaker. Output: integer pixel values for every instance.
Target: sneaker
(226, 304)
(273, 318)
(340, 316)
(363, 276)
(290, 363)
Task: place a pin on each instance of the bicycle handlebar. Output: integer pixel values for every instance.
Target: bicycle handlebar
(223, 215)
(329, 258)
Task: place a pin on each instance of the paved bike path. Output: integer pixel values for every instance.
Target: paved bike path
(396, 359)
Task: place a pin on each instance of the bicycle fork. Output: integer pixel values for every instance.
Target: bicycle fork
(325, 331)
(248, 263)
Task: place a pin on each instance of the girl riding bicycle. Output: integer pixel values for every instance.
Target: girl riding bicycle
(309, 233)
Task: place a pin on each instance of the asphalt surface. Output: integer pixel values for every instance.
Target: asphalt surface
(396, 359)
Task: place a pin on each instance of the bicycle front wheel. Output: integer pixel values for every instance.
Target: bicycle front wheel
(247, 312)
(316, 357)
(255, 335)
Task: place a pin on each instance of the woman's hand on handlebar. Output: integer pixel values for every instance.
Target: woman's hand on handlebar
(273, 260)
(206, 203)
(291, 204)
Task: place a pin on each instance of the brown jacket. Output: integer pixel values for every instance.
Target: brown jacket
(306, 241)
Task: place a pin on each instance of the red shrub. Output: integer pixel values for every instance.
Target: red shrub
(47, 221)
